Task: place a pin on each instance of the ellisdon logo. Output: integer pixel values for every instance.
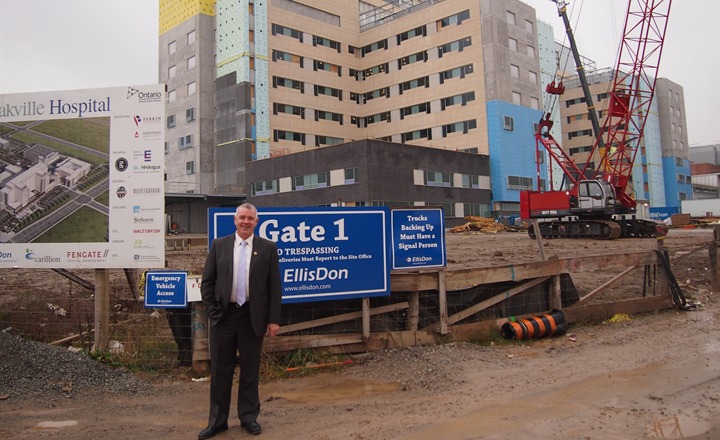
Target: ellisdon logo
(6, 255)
(30, 255)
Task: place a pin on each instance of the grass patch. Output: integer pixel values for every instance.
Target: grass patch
(61, 148)
(91, 132)
(84, 226)
(301, 362)
(103, 198)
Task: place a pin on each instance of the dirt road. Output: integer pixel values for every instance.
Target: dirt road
(654, 376)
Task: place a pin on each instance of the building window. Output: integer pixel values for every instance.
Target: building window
(289, 83)
(190, 167)
(534, 103)
(529, 26)
(382, 44)
(379, 93)
(167, 147)
(191, 63)
(327, 140)
(508, 123)
(461, 99)
(190, 114)
(519, 183)
(453, 19)
(328, 67)
(311, 181)
(514, 71)
(288, 32)
(532, 77)
(437, 178)
(351, 175)
(470, 181)
(320, 41)
(328, 91)
(423, 107)
(171, 121)
(420, 56)
(172, 47)
(531, 51)
(265, 187)
(512, 44)
(185, 142)
(191, 37)
(288, 109)
(457, 45)
(459, 127)
(418, 31)
(418, 82)
(380, 68)
(384, 116)
(172, 71)
(574, 134)
(328, 116)
(476, 210)
(510, 18)
(458, 72)
(171, 96)
(289, 136)
(191, 88)
(517, 98)
(682, 196)
(425, 133)
(679, 161)
(278, 55)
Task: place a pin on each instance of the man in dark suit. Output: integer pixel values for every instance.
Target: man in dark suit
(241, 292)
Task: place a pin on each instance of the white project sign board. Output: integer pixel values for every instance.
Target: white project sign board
(81, 178)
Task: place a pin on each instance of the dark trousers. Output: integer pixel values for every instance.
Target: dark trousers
(231, 334)
(180, 321)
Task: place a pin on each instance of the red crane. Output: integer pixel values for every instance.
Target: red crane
(597, 201)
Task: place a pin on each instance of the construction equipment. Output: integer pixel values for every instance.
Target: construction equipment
(596, 202)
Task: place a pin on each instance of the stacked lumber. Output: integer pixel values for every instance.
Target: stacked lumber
(479, 224)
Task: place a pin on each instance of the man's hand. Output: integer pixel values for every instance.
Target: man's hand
(272, 330)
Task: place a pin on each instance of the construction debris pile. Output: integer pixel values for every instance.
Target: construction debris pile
(479, 224)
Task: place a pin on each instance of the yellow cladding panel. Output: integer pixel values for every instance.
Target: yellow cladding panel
(174, 12)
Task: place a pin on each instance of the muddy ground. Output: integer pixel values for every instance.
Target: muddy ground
(652, 376)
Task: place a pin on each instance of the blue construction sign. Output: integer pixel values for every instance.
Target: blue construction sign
(418, 238)
(166, 289)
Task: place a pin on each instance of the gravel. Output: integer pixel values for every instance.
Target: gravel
(37, 371)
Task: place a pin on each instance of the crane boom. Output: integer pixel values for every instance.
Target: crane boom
(602, 206)
(632, 93)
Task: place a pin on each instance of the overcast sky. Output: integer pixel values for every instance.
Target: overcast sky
(74, 44)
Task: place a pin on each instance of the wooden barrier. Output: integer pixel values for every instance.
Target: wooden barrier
(527, 276)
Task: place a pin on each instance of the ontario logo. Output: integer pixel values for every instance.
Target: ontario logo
(30, 255)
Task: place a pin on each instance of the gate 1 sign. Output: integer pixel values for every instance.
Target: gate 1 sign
(418, 238)
(325, 253)
(166, 289)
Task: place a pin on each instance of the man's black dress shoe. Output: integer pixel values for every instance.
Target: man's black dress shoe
(251, 427)
(211, 432)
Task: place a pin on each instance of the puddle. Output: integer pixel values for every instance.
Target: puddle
(677, 427)
(336, 391)
(61, 424)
